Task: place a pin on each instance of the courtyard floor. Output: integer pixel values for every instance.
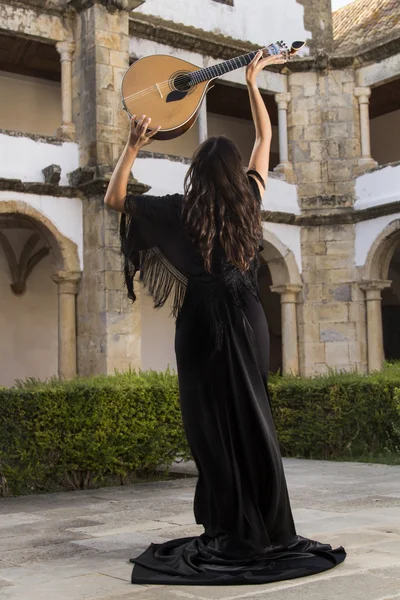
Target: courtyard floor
(76, 546)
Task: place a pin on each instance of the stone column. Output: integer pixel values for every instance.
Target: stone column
(109, 327)
(67, 290)
(202, 121)
(101, 59)
(375, 351)
(282, 101)
(290, 350)
(66, 50)
(363, 94)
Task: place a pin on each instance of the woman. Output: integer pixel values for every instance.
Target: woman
(199, 251)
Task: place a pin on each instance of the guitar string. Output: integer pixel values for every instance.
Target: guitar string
(149, 90)
(166, 83)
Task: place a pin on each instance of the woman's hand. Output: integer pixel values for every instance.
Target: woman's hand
(258, 63)
(138, 135)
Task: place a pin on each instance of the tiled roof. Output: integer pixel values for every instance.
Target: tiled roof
(365, 22)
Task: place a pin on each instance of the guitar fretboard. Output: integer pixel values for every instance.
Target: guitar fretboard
(230, 65)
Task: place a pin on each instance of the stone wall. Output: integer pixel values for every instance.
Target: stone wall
(100, 60)
(332, 315)
(318, 20)
(109, 327)
(324, 140)
(324, 137)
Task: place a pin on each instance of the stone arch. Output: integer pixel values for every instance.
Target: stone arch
(66, 274)
(64, 250)
(381, 253)
(286, 281)
(382, 293)
(280, 260)
(375, 280)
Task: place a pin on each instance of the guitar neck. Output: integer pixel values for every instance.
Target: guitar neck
(230, 65)
(222, 68)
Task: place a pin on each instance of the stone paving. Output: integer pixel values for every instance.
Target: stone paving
(76, 546)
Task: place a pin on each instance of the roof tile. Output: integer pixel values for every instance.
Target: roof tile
(364, 22)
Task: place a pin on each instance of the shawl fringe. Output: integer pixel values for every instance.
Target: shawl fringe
(209, 293)
(162, 280)
(157, 274)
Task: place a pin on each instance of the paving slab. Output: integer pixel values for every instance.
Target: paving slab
(77, 545)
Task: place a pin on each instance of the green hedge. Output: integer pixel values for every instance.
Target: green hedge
(79, 433)
(340, 416)
(69, 435)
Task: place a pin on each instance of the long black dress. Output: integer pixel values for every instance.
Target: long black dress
(222, 351)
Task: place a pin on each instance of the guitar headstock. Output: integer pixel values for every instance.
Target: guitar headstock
(281, 48)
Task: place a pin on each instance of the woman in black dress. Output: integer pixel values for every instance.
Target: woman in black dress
(199, 252)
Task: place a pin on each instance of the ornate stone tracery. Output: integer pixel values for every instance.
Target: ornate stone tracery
(22, 268)
(65, 263)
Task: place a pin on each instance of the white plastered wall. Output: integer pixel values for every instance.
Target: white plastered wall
(24, 158)
(376, 188)
(258, 21)
(366, 234)
(28, 323)
(166, 177)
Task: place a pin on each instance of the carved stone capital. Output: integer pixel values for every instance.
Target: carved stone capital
(283, 100)
(365, 164)
(287, 291)
(66, 131)
(373, 288)
(363, 94)
(286, 170)
(67, 281)
(66, 50)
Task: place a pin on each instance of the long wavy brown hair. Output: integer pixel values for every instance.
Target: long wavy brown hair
(219, 204)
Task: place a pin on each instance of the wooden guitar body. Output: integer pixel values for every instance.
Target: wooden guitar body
(171, 90)
(151, 87)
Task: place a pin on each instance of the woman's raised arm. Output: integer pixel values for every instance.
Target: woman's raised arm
(259, 160)
(138, 137)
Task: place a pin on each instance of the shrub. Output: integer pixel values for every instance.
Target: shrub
(71, 435)
(339, 415)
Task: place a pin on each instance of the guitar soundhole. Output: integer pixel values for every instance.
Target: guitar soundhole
(182, 82)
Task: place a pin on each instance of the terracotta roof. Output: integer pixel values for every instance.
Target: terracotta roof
(365, 22)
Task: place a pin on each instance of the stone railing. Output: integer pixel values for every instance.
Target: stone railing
(23, 156)
(165, 174)
(378, 186)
